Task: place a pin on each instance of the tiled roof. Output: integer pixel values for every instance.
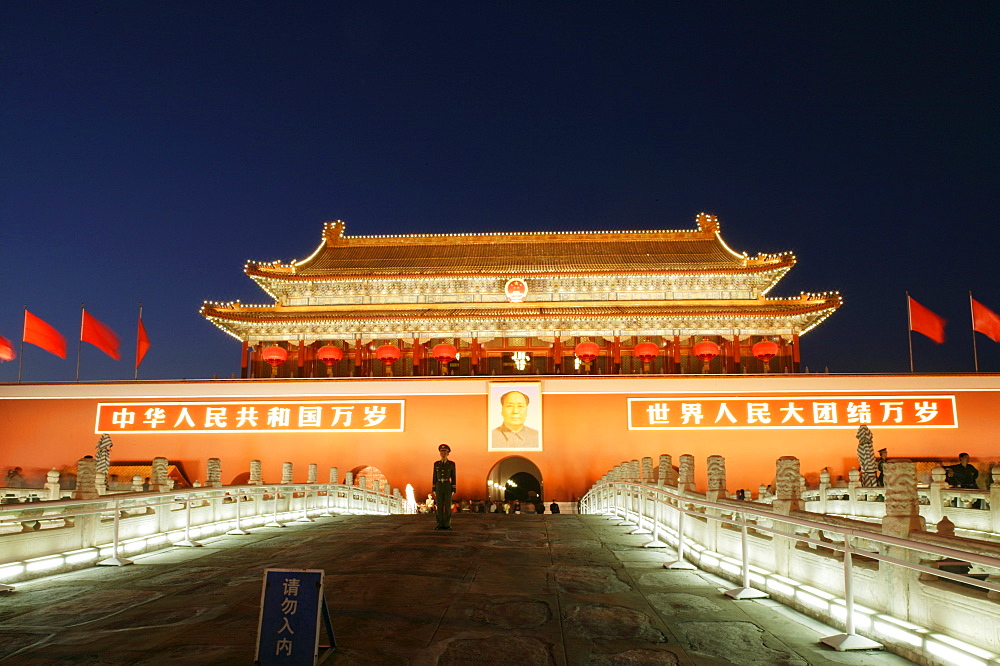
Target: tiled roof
(696, 250)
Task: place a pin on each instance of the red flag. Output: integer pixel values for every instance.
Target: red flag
(141, 344)
(985, 321)
(40, 334)
(99, 335)
(924, 321)
(6, 350)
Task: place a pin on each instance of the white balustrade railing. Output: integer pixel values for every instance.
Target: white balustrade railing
(45, 537)
(888, 589)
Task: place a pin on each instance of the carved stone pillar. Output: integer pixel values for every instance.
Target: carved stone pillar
(349, 479)
(788, 484)
(716, 478)
(685, 475)
(646, 471)
(313, 471)
(902, 512)
(937, 487)
(213, 477)
(661, 469)
(286, 472)
(101, 482)
(334, 475)
(256, 476)
(995, 507)
(159, 479)
(86, 486)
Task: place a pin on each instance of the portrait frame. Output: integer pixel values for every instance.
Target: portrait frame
(499, 438)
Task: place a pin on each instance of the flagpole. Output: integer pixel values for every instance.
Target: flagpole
(136, 378)
(20, 355)
(79, 344)
(909, 332)
(975, 350)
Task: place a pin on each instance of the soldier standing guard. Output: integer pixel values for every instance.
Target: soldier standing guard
(444, 487)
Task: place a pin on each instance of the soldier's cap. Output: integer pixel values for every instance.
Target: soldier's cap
(444, 447)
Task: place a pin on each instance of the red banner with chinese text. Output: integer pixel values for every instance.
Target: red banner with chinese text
(251, 416)
(792, 412)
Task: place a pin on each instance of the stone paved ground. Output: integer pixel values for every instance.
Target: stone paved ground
(523, 590)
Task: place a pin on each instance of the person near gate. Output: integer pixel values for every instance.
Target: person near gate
(444, 487)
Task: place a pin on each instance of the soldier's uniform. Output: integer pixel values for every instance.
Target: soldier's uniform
(444, 487)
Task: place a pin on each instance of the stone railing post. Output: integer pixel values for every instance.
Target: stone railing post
(362, 481)
(902, 510)
(334, 475)
(213, 475)
(716, 479)
(787, 498)
(788, 485)
(101, 482)
(286, 473)
(664, 471)
(716, 469)
(349, 479)
(853, 486)
(313, 471)
(646, 471)
(86, 479)
(137, 483)
(824, 488)
(902, 516)
(53, 490)
(256, 474)
(685, 475)
(158, 481)
(995, 505)
(937, 487)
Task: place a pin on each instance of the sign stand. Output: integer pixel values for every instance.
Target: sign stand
(288, 630)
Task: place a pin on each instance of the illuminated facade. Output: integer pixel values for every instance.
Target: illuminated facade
(608, 303)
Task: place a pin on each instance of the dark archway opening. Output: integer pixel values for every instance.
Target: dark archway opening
(525, 488)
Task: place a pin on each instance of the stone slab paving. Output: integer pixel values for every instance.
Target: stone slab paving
(524, 590)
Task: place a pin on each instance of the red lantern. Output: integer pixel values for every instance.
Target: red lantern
(587, 351)
(444, 353)
(329, 354)
(275, 356)
(387, 353)
(646, 351)
(765, 350)
(706, 350)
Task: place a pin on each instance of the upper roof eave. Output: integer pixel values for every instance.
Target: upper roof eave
(351, 257)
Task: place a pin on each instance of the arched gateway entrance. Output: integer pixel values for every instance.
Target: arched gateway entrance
(514, 478)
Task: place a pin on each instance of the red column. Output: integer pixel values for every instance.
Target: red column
(796, 360)
(737, 354)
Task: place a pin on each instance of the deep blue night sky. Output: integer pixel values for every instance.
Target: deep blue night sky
(150, 149)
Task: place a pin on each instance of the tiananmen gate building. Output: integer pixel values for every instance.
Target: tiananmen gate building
(613, 345)
(608, 303)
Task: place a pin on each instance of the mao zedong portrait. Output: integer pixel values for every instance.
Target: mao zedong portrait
(512, 433)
